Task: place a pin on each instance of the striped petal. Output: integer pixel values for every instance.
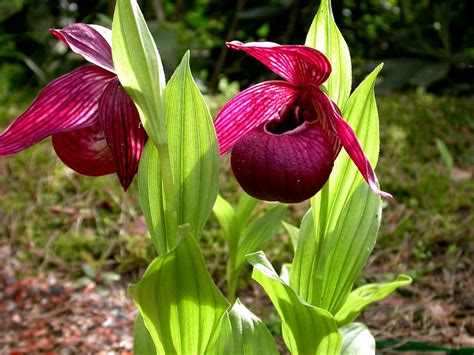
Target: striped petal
(89, 42)
(67, 103)
(122, 128)
(351, 145)
(349, 141)
(104, 32)
(300, 65)
(250, 108)
(85, 151)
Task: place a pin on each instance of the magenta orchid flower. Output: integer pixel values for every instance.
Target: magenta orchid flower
(94, 125)
(285, 135)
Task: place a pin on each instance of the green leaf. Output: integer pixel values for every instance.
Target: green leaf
(357, 340)
(225, 214)
(325, 269)
(285, 272)
(110, 276)
(306, 329)
(233, 221)
(151, 196)
(326, 37)
(194, 158)
(142, 342)
(193, 148)
(258, 232)
(244, 333)
(345, 215)
(293, 232)
(244, 209)
(138, 66)
(180, 304)
(365, 295)
(362, 115)
(445, 154)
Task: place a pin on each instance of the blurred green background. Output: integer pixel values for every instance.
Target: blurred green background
(51, 217)
(423, 43)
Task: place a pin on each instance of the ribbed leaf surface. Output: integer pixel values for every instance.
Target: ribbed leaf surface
(194, 160)
(306, 329)
(142, 341)
(194, 150)
(151, 196)
(138, 66)
(324, 36)
(243, 333)
(180, 304)
(345, 216)
(366, 295)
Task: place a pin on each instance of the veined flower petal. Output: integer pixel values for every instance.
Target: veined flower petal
(349, 142)
(300, 65)
(67, 103)
(88, 42)
(351, 145)
(85, 151)
(250, 108)
(123, 130)
(104, 32)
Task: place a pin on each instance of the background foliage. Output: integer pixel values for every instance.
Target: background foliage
(425, 43)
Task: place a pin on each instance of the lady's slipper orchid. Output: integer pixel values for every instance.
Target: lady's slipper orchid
(95, 126)
(286, 135)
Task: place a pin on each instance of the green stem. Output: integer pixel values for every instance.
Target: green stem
(232, 278)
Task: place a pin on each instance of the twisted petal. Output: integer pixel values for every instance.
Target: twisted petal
(85, 150)
(250, 108)
(89, 42)
(104, 32)
(122, 128)
(300, 65)
(67, 103)
(349, 142)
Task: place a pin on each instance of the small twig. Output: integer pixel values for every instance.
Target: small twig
(49, 314)
(48, 254)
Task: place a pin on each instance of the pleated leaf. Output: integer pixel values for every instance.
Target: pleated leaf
(245, 206)
(142, 341)
(325, 269)
(293, 232)
(234, 220)
(345, 216)
(258, 232)
(194, 150)
(324, 35)
(362, 115)
(151, 196)
(306, 329)
(194, 161)
(243, 333)
(366, 295)
(357, 340)
(225, 215)
(180, 304)
(138, 66)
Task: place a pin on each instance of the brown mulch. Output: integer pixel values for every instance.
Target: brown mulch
(48, 314)
(437, 308)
